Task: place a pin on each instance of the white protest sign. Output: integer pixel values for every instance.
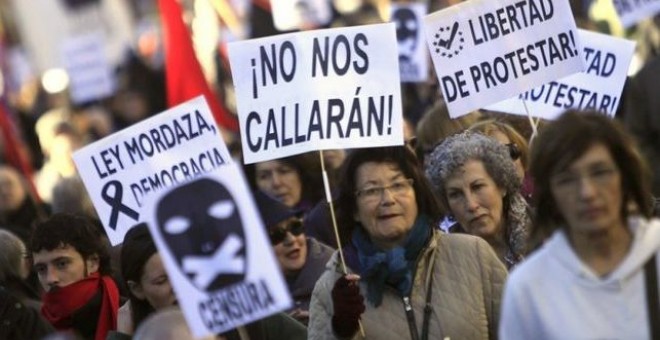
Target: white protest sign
(299, 14)
(90, 73)
(485, 51)
(44, 25)
(171, 147)
(413, 56)
(598, 87)
(631, 12)
(214, 247)
(317, 90)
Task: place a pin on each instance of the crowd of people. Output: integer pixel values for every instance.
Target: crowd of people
(474, 228)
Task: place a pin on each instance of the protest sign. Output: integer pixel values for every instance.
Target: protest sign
(485, 51)
(413, 56)
(171, 147)
(215, 251)
(43, 27)
(631, 12)
(299, 14)
(90, 73)
(598, 87)
(317, 90)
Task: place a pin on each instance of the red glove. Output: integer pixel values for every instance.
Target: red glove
(348, 305)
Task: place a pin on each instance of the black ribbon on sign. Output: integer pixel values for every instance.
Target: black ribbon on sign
(116, 204)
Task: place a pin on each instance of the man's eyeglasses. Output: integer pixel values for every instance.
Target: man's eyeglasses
(278, 234)
(375, 193)
(514, 151)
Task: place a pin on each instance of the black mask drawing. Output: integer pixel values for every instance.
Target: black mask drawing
(406, 32)
(201, 224)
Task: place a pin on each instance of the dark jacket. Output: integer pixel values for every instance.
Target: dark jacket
(301, 285)
(318, 225)
(642, 115)
(275, 327)
(17, 321)
(23, 291)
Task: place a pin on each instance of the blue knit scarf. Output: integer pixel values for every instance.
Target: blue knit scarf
(394, 266)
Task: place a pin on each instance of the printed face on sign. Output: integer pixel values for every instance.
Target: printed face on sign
(406, 32)
(308, 14)
(201, 224)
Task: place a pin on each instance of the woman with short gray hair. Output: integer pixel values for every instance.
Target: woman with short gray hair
(19, 303)
(11, 256)
(477, 184)
(15, 268)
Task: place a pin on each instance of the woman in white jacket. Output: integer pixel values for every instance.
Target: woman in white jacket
(589, 279)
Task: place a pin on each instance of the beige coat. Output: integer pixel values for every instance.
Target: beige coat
(467, 286)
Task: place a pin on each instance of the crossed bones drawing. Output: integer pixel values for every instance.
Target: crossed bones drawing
(225, 260)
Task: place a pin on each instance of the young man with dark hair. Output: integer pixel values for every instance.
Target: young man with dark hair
(73, 265)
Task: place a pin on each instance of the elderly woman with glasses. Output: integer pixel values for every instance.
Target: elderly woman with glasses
(301, 259)
(478, 185)
(596, 277)
(418, 283)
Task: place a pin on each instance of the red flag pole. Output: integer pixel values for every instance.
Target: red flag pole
(183, 74)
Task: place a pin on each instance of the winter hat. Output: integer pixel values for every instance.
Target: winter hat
(137, 249)
(272, 211)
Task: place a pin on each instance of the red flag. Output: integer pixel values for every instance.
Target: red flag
(183, 74)
(264, 4)
(13, 150)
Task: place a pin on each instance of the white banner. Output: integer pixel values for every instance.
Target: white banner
(216, 253)
(317, 90)
(413, 56)
(632, 11)
(485, 51)
(44, 25)
(598, 87)
(174, 146)
(300, 14)
(91, 74)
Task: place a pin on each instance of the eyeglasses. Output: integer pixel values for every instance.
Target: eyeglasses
(375, 193)
(278, 234)
(598, 175)
(514, 151)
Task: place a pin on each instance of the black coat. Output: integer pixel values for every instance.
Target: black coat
(17, 321)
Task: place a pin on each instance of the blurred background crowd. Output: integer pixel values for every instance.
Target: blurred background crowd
(43, 121)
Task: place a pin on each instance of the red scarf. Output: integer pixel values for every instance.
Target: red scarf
(60, 304)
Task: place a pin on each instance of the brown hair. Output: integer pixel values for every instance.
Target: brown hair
(436, 125)
(79, 232)
(401, 156)
(308, 168)
(489, 126)
(568, 138)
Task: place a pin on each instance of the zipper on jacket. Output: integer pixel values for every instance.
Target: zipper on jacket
(410, 316)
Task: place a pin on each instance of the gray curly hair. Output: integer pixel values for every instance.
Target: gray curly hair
(10, 256)
(458, 149)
